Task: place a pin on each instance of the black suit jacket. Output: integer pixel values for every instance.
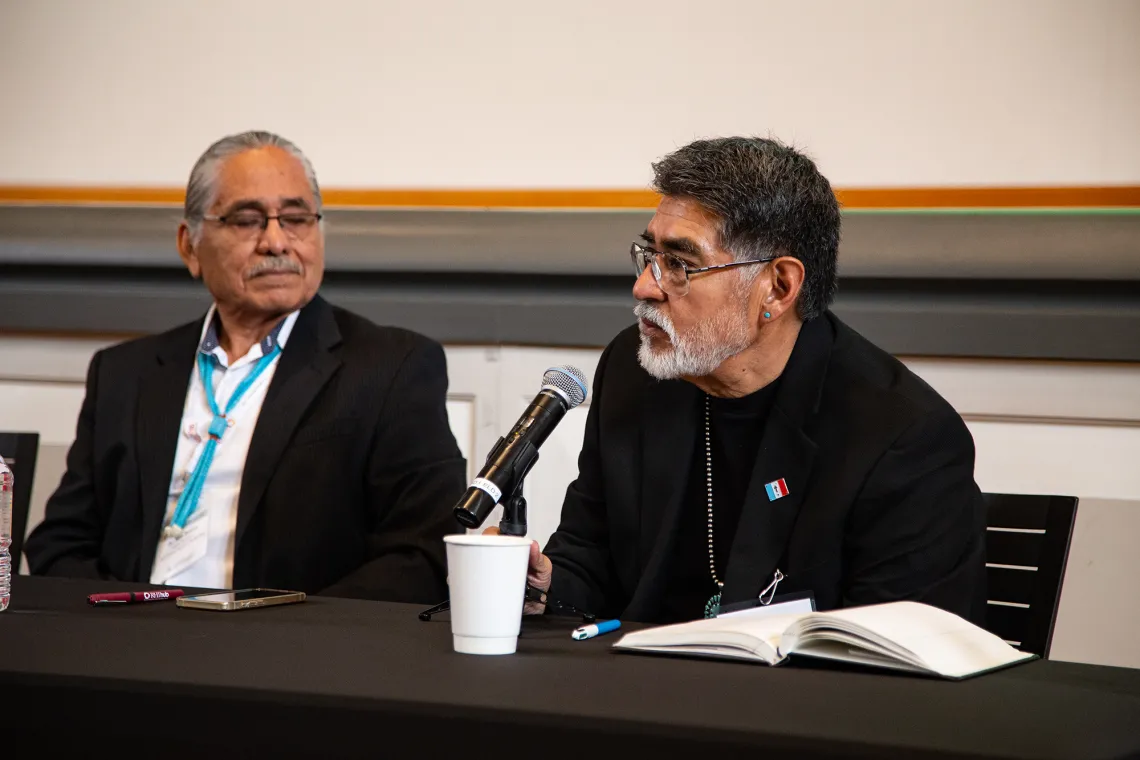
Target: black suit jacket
(348, 484)
(882, 503)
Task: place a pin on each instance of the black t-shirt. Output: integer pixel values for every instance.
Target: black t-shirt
(737, 427)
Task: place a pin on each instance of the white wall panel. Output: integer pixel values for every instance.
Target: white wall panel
(50, 409)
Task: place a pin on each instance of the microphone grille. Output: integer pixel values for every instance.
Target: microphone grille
(570, 381)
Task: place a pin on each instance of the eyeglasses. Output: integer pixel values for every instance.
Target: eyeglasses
(670, 272)
(249, 223)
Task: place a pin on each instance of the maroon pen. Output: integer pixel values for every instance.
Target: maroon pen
(127, 597)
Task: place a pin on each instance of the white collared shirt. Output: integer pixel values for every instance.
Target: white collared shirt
(219, 499)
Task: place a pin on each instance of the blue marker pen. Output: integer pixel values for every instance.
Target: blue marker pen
(595, 629)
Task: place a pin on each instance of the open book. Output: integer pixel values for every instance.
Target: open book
(907, 636)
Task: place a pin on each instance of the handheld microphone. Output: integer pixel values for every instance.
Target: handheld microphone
(563, 388)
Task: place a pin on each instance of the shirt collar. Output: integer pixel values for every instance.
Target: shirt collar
(278, 336)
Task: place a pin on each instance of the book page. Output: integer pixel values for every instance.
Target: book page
(711, 652)
(760, 637)
(817, 641)
(940, 641)
(835, 650)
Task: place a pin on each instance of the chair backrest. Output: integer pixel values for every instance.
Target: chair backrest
(1027, 546)
(19, 451)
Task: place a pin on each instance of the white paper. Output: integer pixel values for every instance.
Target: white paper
(793, 607)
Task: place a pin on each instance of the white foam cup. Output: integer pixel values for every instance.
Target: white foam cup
(487, 580)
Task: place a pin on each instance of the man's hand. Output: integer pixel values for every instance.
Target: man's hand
(537, 573)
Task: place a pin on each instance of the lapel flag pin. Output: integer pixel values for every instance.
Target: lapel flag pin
(777, 489)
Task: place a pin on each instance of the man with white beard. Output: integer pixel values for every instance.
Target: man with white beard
(743, 442)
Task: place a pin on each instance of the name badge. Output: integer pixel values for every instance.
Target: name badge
(176, 555)
(798, 603)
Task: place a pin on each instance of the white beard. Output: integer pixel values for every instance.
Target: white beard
(697, 353)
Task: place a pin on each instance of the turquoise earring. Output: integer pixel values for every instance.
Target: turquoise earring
(767, 315)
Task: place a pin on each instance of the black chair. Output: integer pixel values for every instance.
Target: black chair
(1027, 546)
(19, 451)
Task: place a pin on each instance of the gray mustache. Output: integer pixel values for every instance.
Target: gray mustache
(649, 312)
(273, 266)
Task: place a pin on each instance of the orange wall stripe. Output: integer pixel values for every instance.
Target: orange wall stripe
(36, 194)
(851, 198)
(636, 199)
(990, 197)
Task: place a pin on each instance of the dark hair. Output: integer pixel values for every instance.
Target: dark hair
(770, 198)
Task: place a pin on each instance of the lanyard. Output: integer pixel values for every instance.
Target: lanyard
(188, 500)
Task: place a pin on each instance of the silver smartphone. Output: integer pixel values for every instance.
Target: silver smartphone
(240, 599)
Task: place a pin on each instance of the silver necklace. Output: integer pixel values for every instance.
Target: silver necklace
(712, 607)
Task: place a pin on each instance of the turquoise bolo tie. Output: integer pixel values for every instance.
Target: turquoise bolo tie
(188, 500)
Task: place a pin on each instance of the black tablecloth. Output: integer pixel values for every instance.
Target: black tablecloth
(333, 677)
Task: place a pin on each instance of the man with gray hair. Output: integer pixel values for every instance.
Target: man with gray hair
(743, 443)
(279, 441)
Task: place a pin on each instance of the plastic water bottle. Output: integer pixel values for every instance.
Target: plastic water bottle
(5, 534)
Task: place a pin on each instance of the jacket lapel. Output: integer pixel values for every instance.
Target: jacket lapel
(162, 396)
(765, 525)
(786, 452)
(305, 366)
(669, 414)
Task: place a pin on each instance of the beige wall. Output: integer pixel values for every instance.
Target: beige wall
(513, 93)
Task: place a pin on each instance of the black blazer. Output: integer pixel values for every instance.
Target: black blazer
(348, 484)
(882, 503)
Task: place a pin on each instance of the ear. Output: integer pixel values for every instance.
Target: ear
(787, 280)
(187, 251)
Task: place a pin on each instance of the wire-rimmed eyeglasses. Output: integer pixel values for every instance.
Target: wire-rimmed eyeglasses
(250, 223)
(670, 272)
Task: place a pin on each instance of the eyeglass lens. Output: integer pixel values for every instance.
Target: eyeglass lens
(295, 224)
(668, 271)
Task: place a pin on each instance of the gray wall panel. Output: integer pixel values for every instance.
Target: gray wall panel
(1088, 246)
(1044, 285)
(915, 317)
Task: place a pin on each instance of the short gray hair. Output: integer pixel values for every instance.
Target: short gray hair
(202, 189)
